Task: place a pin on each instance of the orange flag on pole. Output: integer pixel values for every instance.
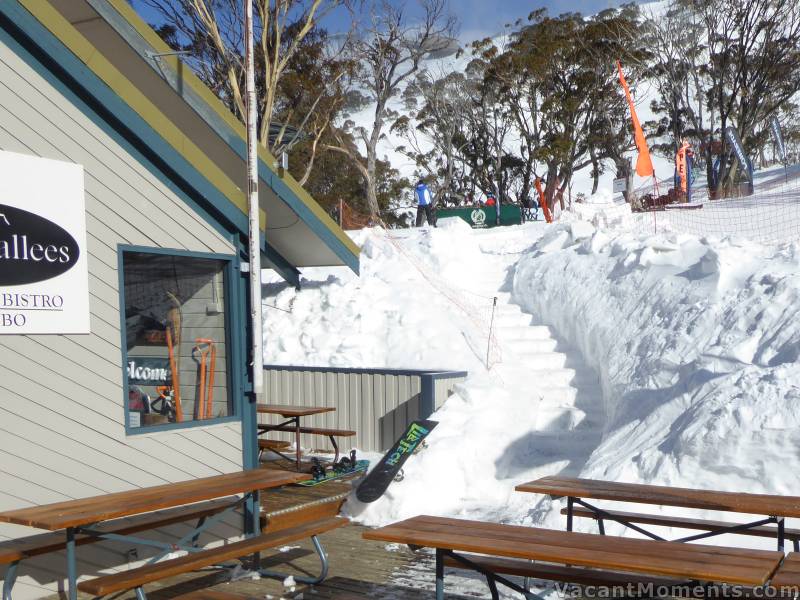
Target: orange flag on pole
(644, 165)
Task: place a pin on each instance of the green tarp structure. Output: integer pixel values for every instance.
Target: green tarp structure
(479, 217)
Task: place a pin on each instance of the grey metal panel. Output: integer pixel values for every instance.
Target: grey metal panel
(377, 405)
(61, 401)
(443, 388)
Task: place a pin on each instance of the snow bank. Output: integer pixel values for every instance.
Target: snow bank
(389, 317)
(696, 342)
(458, 474)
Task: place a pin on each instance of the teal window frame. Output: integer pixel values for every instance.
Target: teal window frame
(232, 303)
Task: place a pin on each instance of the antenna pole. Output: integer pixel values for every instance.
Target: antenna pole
(256, 323)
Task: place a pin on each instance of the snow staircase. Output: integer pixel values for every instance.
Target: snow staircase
(564, 391)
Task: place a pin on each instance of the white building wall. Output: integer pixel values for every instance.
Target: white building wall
(62, 434)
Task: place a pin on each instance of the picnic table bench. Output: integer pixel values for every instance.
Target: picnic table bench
(105, 517)
(292, 414)
(136, 578)
(12, 552)
(776, 508)
(493, 549)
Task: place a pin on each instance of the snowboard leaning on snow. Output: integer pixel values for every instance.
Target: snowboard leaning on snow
(377, 481)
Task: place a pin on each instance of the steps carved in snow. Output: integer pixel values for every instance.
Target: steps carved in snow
(565, 392)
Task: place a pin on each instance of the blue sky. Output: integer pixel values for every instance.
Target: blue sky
(481, 18)
(477, 18)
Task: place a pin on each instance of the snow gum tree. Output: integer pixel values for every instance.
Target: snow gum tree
(387, 54)
(301, 75)
(559, 78)
(544, 100)
(434, 127)
(720, 63)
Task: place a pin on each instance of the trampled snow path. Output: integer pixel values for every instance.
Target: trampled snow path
(561, 390)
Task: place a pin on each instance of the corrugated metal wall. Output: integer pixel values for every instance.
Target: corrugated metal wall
(443, 386)
(377, 404)
(61, 413)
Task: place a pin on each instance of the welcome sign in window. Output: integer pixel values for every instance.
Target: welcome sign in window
(175, 332)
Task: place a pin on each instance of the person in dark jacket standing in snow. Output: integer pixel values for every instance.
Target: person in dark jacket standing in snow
(424, 204)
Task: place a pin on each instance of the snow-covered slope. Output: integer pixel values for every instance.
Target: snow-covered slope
(696, 344)
(656, 358)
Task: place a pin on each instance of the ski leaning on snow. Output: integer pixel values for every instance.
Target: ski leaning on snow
(377, 481)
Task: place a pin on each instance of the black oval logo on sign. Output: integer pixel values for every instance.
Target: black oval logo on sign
(32, 248)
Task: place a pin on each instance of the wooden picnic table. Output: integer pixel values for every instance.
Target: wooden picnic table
(292, 415)
(776, 507)
(703, 563)
(81, 515)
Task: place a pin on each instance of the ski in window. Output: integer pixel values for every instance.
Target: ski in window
(175, 339)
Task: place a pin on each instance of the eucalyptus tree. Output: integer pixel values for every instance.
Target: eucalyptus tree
(301, 73)
(389, 51)
(560, 77)
(733, 63)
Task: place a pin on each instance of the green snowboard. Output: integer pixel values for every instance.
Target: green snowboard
(333, 474)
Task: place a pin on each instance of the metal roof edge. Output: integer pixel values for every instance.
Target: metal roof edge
(128, 24)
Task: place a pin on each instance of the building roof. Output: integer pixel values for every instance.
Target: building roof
(127, 55)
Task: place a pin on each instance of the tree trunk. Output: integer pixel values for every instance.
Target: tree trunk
(712, 187)
(561, 190)
(369, 187)
(595, 172)
(448, 177)
(372, 152)
(551, 186)
(625, 172)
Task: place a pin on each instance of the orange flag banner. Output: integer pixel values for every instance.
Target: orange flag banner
(644, 165)
(542, 200)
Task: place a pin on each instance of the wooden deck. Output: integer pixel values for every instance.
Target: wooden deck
(359, 569)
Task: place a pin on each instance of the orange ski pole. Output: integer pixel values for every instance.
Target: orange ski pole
(205, 380)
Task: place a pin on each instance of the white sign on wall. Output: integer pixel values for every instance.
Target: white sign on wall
(44, 279)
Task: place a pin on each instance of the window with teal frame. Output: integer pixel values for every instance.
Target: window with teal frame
(175, 338)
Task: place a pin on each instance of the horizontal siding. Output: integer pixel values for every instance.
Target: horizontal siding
(61, 397)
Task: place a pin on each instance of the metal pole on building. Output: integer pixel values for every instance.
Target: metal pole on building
(252, 204)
